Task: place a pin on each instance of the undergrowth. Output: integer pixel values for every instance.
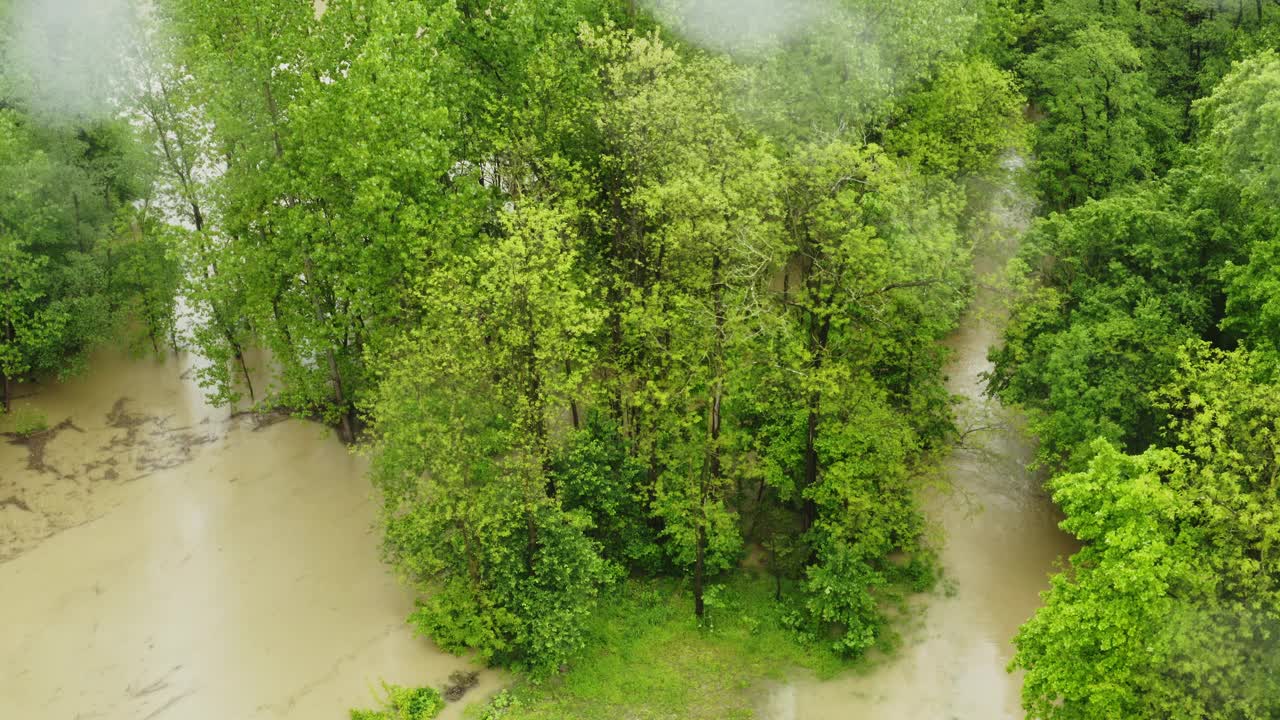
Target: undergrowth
(648, 657)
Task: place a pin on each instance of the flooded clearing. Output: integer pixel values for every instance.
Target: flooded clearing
(163, 559)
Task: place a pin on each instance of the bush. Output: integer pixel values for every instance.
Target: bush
(404, 704)
(499, 707)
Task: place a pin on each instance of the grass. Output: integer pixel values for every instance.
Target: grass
(25, 422)
(648, 659)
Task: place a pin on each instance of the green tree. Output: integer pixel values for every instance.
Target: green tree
(470, 508)
(1105, 127)
(877, 278)
(1169, 610)
(1118, 285)
(968, 116)
(63, 187)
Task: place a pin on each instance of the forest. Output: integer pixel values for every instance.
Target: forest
(626, 299)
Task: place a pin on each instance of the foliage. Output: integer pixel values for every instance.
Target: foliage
(1142, 344)
(404, 704)
(970, 114)
(607, 303)
(599, 300)
(1170, 607)
(65, 194)
(850, 61)
(1240, 144)
(1119, 286)
(1105, 127)
(596, 474)
(499, 706)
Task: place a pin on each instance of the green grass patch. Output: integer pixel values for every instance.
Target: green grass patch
(648, 658)
(25, 422)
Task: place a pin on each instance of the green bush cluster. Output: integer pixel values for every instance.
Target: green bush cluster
(401, 703)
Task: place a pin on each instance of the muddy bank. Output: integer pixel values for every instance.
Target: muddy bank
(1000, 534)
(162, 559)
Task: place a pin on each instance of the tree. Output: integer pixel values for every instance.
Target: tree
(967, 117)
(62, 188)
(1169, 609)
(144, 272)
(1240, 146)
(876, 279)
(465, 449)
(1117, 286)
(1105, 127)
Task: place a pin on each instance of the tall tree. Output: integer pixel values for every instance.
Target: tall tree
(1105, 126)
(1169, 610)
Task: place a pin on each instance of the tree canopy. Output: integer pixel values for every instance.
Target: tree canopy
(1143, 346)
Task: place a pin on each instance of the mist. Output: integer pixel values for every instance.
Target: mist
(743, 26)
(69, 57)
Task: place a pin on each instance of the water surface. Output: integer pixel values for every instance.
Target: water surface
(162, 559)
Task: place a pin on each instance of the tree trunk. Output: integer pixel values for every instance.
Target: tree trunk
(532, 547)
(346, 428)
(711, 477)
(6, 389)
(614, 298)
(810, 511)
(777, 571)
(699, 568)
(533, 388)
(811, 462)
(573, 402)
(244, 370)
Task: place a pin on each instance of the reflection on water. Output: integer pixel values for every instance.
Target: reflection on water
(1001, 543)
(162, 559)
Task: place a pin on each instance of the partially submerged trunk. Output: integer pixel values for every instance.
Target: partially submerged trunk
(346, 423)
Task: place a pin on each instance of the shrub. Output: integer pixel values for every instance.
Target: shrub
(499, 707)
(403, 703)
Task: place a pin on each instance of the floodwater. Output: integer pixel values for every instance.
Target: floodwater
(161, 559)
(1000, 534)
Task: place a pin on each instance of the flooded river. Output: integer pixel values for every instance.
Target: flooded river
(1000, 534)
(162, 560)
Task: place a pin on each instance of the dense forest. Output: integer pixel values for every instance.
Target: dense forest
(616, 292)
(1144, 346)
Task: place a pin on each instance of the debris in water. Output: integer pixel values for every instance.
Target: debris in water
(15, 501)
(459, 683)
(37, 442)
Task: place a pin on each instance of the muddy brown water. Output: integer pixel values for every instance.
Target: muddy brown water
(162, 560)
(1000, 539)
